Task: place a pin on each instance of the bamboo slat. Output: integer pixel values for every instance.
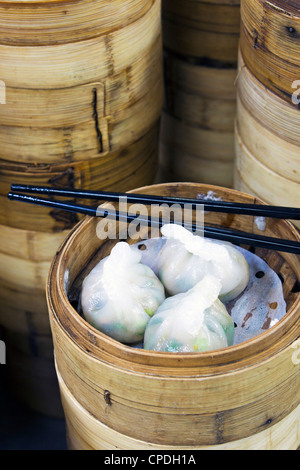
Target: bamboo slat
(270, 43)
(121, 386)
(24, 311)
(29, 244)
(201, 96)
(267, 142)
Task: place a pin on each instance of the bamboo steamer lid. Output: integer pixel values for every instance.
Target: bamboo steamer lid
(206, 30)
(119, 386)
(269, 43)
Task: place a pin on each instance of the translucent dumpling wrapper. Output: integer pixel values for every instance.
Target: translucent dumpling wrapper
(193, 321)
(120, 295)
(186, 258)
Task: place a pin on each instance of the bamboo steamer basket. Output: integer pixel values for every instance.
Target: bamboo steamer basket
(112, 394)
(201, 142)
(202, 96)
(205, 30)
(197, 141)
(105, 75)
(84, 92)
(269, 43)
(121, 169)
(60, 125)
(192, 153)
(178, 164)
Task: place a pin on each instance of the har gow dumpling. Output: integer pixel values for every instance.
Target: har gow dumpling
(186, 258)
(194, 321)
(120, 295)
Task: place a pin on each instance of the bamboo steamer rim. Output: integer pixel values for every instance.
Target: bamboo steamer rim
(283, 7)
(211, 362)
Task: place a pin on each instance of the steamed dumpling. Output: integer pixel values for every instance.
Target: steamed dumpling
(194, 321)
(120, 295)
(186, 258)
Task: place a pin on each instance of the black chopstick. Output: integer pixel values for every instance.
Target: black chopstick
(218, 233)
(257, 210)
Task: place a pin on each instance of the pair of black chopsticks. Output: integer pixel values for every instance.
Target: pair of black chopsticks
(233, 236)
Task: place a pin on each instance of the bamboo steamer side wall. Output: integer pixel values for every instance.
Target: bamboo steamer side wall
(119, 170)
(270, 43)
(95, 100)
(267, 144)
(202, 29)
(200, 56)
(80, 423)
(61, 22)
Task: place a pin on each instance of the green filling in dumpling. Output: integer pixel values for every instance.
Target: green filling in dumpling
(195, 321)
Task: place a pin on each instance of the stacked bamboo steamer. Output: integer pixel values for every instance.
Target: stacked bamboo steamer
(200, 49)
(83, 97)
(121, 397)
(268, 116)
